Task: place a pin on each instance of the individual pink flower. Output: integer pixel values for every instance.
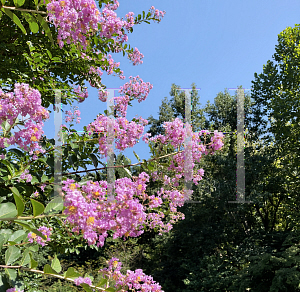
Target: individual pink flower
(45, 230)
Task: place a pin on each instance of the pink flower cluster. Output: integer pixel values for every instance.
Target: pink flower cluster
(88, 209)
(81, 93)
(135, 280)
(175, 133)
(127, 133)
(111, 24)
(136, 57)
(74, 19)
(14, 290)
(71, 116)
(25, 175)
(136, 88)
(85, 280)
(103, 95)
(22, 102)
(111, 65)
(45, 230)
(158, 15)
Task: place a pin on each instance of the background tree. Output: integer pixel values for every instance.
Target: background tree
(221, 246)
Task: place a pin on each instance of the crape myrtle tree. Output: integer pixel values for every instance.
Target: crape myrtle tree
(222, 246)
(47, 46)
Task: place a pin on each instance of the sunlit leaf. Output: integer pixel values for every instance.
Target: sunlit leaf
(33, 263)
(11, 255)
(49, 270)
(38, 208)
(19, 201)
(8, 210)
(55, 265)
(18, 236)
(55, 205)
(71, 273)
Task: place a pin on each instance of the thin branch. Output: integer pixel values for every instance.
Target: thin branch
(26, 10)
(117, 166)
(31, 217)
(43, 273)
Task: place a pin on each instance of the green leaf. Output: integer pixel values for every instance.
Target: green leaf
(34, 27)
(18, 236)
(55, 265)
(71, 274)
(94, 159)
(2, 240)
(11, 255)
(102, 282)
(45, 27)
(26, 258)
(19, 201)
(3, 2)
(49, 270)
(110, 289)
(86, 287)
(34, 180)
(33, 264)
(5, 126)
(151, 165)
(17, 151)
(127, 170)
(54, 205)
(9, 166)
(6, 232)
(20, 2)
(38, 208)
(137, 157)
(8, 210)
(11, 273)
(44, 178)
(15, 19)
(34, 248)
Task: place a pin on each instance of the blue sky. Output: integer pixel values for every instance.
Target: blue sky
(216, 44)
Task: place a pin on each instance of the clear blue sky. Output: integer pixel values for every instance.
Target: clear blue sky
(216, 44)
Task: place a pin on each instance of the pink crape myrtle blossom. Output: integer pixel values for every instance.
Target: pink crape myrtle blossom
(136, 57)
(71, 116)
(74, 20)
(81, 93)
(26, 176)
(22, 102)
(45, 230)
(158, 15)
(135, 88)
(175, 133)
(127, 133)
(135, 280)
(88, 210)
